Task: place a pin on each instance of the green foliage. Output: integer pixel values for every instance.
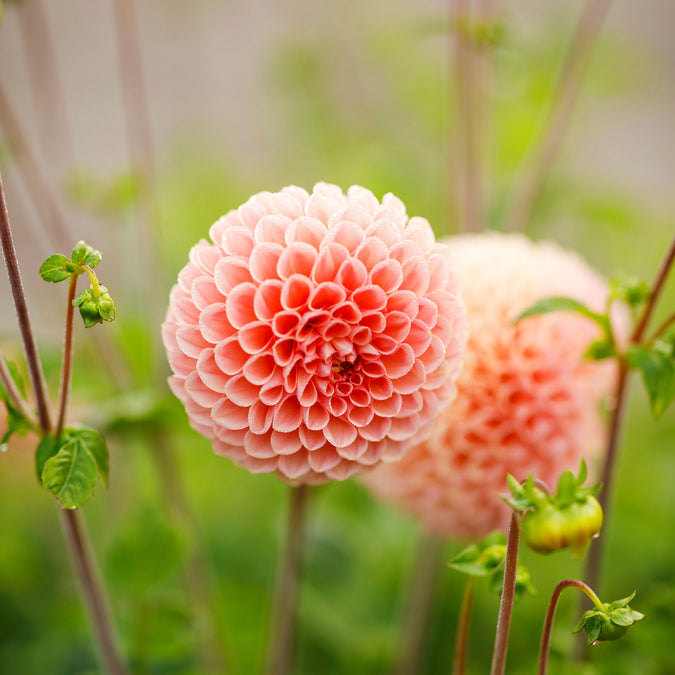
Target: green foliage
(15, 423)
(95, 305)
(111, 196)
(656, 363)
(486, 559)
(609, 622)
(69, 466)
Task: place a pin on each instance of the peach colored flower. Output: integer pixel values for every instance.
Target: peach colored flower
(527, 400)
(317, 335)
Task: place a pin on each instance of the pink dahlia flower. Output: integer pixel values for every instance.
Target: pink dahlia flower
(527, 400)
(317, 334)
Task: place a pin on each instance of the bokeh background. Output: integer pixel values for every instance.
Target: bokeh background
(239, 97)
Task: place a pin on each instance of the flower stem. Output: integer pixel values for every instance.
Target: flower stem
(14, 395)
(93, 280)
(544, 648)
(667, 323)
(463, 627)
(534, 174)
(419, 603)
(29, 344)
(90, 585)
(93, 595)
(67, 361)
(284, 612)
(508, 593)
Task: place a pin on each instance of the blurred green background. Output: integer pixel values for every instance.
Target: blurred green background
(243, 97)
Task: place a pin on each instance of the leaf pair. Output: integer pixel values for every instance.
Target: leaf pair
(69, 465)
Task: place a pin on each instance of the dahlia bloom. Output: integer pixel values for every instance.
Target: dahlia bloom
(527, 400)
(317, 334)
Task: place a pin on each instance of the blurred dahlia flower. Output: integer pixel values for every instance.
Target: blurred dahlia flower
(527, 400)
(317, 335)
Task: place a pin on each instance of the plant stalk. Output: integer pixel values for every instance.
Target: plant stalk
(67, 360)
(419, 605)
(463, 628)
(29, 344)
(508, 594)
(535, 172)
(545, 646)
(91, 588)
(280, 656)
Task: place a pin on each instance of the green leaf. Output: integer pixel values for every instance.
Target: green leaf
(656, 363)
(71, 474)
(69, 466)
(631, 290)
(56, 268)
(15, 423)
(561, 304)
(83, 254)
(600, 349)
(48, 447)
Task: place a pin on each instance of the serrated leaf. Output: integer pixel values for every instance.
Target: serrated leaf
(71, 474)
(83, 254)
(56, 268)
(657, 366)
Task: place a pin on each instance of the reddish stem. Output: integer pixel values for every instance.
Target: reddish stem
(463, 628)
(508, 594)
(67, 361)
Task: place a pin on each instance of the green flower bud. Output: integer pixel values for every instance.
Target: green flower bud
(95, 308)
(609, 622)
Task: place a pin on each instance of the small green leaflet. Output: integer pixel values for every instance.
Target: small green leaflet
(656, 362)
(83, 254)
(70, 465)
(56, 268)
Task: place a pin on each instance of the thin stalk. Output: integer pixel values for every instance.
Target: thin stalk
(662, 328)
(595, 555)
(67, 360)
(14, 395)
(547, 147)
(90, 584)
(545, 646)
(508, 594)
(284, 612)
(467, 95)
(419, 605)
(91, 587)
(463, 628)
(29, 344)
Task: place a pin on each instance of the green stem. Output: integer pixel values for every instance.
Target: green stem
(284, 612)
(463, 627)
(545, 646)
(67, 361)
(508, 594)
(418, 606)
(94, 281)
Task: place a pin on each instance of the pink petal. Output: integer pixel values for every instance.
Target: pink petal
(288, 415)
(237, 241)
(324, 459)
(377, 429)
(229, 415)
(308, 230)
(286, 443)
(388, 407)
(354, 450)
(205, 293)
(419, 231)
(328, 262)
(190, 340)
(294, 466)
(209, 372)
(298, 258)
(296, 292)
(230, 357)
(231, 272)
(419, 338)
(369, 298)
(312, 440)
(267, 300)
(264, 260)
(387, 275)
(352, 274)
(380, 387)
(339, 433)
(416, 275)
(406, 302)
(255, 337)
(412, 380)
(316, 417)
(239, 305)
(259, 368)
(240, 391)
(259, 445)
(372, 251)
(400, 362)
(347, 234)
(272, 228)
(359, 417)
(260, 417)
(428, 312)
(214, 325)
(184, 310)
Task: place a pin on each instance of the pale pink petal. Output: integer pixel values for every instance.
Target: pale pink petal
(263, 261)
(239, 305)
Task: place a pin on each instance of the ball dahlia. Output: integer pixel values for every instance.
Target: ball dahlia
(317, 334)
(527, 400)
